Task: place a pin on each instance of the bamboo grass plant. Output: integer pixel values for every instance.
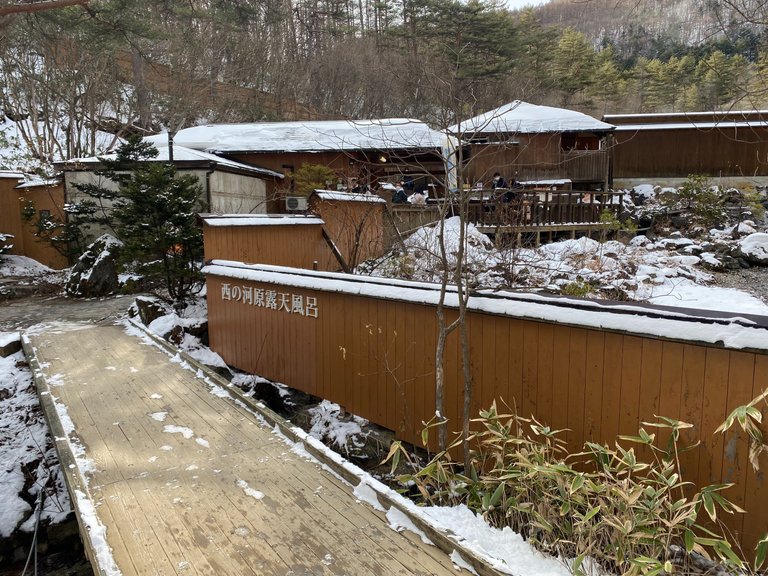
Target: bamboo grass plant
(604, 509)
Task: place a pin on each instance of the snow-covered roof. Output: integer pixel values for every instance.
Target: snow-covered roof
(11, 175)
(523, 118)
(347, 196)
(184, 154)
(311, 136)
(260, 220)
(737, 331)
(34, 183)
(720, 125)
(710, 114)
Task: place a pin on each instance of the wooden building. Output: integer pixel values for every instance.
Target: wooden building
(229, 187)
(40, 199)
(535, 145)
(665, 149)
(390, 149)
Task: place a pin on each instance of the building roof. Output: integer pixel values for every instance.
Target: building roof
(721, 125)
(11, 175)
(181, 154)
(37, 182)
(311, 136)
(260, 220)
(347, 196)
(523, 118)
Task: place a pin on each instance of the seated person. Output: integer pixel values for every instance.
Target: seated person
(498, 182)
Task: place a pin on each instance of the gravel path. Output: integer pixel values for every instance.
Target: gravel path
(751, 280)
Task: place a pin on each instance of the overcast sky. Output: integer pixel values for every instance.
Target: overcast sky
(514, 4)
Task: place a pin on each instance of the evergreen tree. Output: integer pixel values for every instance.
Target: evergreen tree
(573, 65)
(155, 215)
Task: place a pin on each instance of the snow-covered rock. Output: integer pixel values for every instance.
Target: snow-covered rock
(755, 248)
(95, 273)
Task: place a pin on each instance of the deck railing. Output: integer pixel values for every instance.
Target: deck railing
(541, 207)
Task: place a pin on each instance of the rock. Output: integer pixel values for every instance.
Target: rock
(95, 273)
(754, 249)
(10, 343)
(711, 262)
(149, 309)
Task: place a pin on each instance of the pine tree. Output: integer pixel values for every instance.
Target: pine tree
(155, 216)
(573, 65)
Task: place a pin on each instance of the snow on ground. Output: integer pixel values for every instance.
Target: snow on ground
(21, 266)
(328, 426)
(669, 271)
(26, 450)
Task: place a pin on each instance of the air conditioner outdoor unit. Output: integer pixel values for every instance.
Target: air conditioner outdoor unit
(295, 203)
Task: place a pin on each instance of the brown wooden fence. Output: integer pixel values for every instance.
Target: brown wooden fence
(597, 370)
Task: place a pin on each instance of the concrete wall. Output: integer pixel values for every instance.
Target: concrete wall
(237, 194)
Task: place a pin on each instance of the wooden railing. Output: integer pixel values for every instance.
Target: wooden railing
(541, 207)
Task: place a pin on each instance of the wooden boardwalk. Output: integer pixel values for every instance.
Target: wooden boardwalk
(186, 482)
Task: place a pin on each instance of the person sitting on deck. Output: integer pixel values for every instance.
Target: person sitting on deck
(399, 196)
(513, 192)
(498, 182)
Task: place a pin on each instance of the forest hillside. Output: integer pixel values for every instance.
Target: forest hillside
(72, 79)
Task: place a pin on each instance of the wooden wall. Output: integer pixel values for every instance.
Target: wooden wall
(356, 227)
(376, 357)
(677, 153)
(44, 197)
(294, 245)
(535, 157)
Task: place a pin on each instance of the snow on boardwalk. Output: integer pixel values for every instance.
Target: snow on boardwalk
(185, 482)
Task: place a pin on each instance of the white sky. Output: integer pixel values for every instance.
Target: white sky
(515, 4)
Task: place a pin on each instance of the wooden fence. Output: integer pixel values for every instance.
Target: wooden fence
(595, 369)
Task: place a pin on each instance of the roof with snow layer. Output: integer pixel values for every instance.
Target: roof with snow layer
(311, 136)
(180, 154)
(523, 118)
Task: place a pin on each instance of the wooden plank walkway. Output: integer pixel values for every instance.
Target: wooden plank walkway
(186, 482)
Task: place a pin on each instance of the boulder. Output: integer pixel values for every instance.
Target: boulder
(149, 309)
(95, 273)
(754, 249)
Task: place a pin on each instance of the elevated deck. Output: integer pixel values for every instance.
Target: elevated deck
(170, 476)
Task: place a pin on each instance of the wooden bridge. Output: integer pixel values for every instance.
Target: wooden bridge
(170, 476)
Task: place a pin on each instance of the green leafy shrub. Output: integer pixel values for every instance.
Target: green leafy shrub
(311, 177)
(605, 504)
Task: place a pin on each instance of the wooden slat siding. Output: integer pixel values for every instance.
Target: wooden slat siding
(530, 366)
(671, 385)
(593, 388)
(544, 396)
(741, 377)
(295, 245)
(597, 383)
(561, 361)
(691, 402)
(516, 352)
(501, 359)
(756, 520)
(612, 384)
(577, 384)
(631, 362)
(668, 153)
(650, 387)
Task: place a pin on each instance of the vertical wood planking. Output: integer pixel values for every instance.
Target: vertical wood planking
(631, 362)
(593, 385)
(561, 360)
(713, 413)
(741, 377)
(671, 386)
(545, 371)
(516, 351)
(756, 520)
(691, 399)
(612, 384)
(577, 382)
(530, 369)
